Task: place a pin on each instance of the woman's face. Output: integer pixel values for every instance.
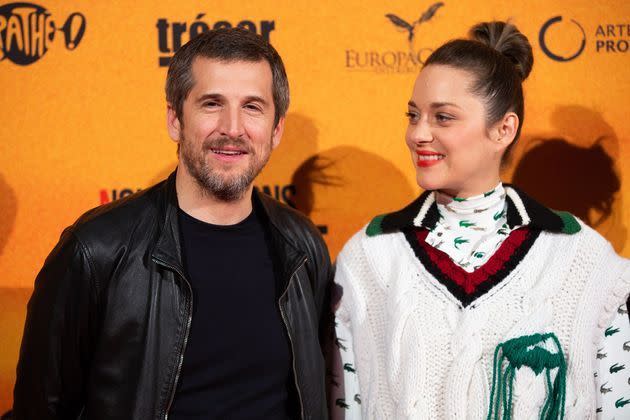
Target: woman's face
(451, 147)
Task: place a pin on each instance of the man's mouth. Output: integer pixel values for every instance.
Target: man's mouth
(228, 152)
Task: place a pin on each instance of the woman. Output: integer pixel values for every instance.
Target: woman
(474, 301)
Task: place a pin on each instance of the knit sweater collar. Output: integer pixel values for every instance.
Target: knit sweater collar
(521, 210)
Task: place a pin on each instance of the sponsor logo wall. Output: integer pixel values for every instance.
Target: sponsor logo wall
(84, 114)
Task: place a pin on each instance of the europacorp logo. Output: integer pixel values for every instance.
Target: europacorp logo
(609, 38)
(27, 31)
(401, 59)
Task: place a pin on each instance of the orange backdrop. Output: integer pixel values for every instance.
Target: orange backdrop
(83, 112)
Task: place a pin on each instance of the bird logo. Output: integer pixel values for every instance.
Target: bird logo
(403, 25)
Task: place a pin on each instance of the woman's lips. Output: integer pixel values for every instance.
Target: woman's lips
(426, 159)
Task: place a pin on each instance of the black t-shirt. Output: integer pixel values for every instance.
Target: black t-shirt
(237, 363)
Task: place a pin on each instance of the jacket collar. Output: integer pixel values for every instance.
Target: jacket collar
(168, 246)
(521, 210)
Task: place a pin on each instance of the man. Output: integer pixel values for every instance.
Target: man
(198, 298)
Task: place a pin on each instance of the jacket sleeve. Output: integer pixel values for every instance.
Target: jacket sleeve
(54, 355)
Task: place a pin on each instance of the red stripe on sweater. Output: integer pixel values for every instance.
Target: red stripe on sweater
(470, 281)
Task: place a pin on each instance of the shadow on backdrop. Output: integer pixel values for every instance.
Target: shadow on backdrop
(575, 173)
(345, 187)
(8, 212)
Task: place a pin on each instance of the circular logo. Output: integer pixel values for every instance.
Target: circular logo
(545, 48)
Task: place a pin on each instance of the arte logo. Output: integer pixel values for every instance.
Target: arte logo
(609, 38)
(542, 39)
(27, 31)
(409, 60)
(172, 35)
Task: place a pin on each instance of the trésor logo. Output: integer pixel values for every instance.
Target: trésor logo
(172, 35)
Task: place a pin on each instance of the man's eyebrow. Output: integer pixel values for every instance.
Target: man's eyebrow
(255, 98)
(207, 96)
(219, 97)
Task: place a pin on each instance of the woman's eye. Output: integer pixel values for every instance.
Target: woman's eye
(443, 118)
(413, 117)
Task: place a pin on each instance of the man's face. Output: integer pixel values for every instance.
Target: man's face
(227, 131)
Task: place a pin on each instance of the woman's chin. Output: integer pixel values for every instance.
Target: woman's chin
(428, 183)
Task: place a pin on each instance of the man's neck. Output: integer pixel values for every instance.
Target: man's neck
(207, 208)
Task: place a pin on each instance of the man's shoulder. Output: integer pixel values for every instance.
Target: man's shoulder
(288, 220)
(121, 217)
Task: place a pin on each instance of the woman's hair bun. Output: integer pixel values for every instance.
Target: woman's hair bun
(507, 40)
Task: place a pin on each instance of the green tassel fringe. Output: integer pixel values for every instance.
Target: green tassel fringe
(527, 351)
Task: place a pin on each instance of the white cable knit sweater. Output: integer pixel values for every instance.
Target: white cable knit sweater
(421, 354)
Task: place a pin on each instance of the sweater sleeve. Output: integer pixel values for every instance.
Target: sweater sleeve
(346, 394)
(613, 368)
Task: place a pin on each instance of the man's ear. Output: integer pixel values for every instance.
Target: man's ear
(277, 133)
(504, 131)
(173, 125)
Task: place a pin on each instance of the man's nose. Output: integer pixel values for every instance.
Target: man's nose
(231, 123)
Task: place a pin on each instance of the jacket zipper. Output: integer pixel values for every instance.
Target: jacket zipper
(286, 325)
(181, 356)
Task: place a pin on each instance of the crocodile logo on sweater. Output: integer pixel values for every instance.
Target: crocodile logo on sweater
(626, 346)
(622, 309)
(338, 342)
(616, 368)
(604, 390)
(601, 355)
(341, 402)
(611, 331)
(466, 223)
(459, 241)
(621, 402)
(348, 367)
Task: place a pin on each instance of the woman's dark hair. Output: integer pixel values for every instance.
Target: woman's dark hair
(499, 58)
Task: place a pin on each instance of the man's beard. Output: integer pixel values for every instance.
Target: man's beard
(212, 181)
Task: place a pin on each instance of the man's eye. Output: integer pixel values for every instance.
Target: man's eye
(253, 107)
(211, 104)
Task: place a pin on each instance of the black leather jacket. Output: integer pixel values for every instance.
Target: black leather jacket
(109, 318)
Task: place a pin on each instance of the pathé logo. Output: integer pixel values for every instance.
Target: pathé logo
(543, 43)
(27, 30)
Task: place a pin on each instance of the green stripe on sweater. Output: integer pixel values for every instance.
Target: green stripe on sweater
(374, 228)
(571, 225)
